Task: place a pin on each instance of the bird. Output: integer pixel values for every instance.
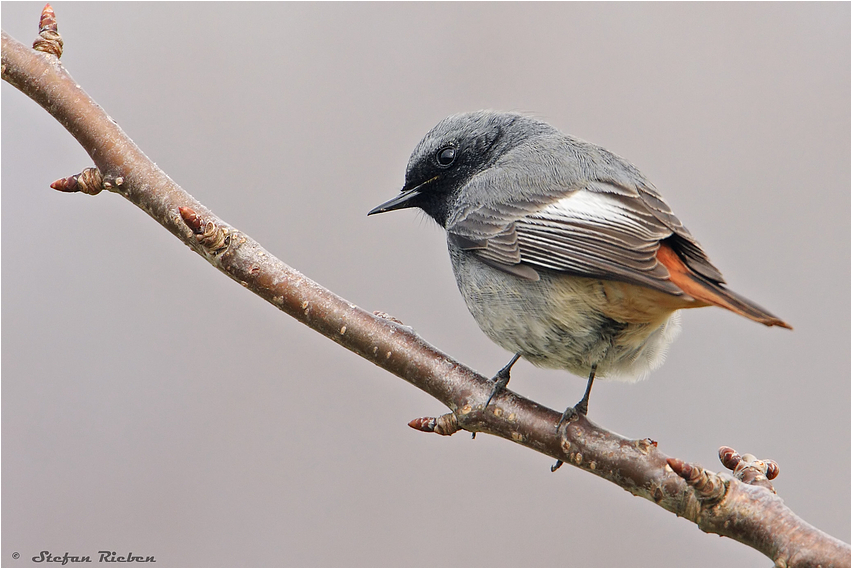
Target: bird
(565, 253)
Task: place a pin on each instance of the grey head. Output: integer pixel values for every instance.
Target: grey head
(454, 151)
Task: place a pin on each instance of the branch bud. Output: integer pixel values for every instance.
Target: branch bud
(709, 487)
(444, 425)
(48, 40)
(209, 234)
(89, 181)
(748, 468)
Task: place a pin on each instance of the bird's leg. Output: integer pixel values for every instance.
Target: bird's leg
(501, 379)
(583, 406)
(580, 408)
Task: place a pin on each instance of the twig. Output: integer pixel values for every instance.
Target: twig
(750, 514)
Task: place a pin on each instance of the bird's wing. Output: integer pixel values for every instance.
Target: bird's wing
(600, 229)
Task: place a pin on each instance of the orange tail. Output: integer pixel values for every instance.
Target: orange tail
(707, 292)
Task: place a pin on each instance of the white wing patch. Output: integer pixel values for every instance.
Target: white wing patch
(604, 235)
(585, 208)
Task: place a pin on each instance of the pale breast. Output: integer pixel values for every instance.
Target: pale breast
(567, 322)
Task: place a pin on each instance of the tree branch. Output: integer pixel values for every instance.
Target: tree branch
(741, 507)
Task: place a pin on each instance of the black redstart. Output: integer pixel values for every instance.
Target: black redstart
(565, 253)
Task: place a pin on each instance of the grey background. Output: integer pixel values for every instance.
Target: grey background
(151, 405)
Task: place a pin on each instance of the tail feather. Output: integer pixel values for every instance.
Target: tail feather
(707, 292)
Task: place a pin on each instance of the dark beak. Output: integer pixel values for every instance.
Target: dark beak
(403, 200)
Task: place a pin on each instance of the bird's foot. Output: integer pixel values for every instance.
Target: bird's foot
(578, 410)
(501, 380)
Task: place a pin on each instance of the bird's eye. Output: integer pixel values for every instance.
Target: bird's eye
(446, 156)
